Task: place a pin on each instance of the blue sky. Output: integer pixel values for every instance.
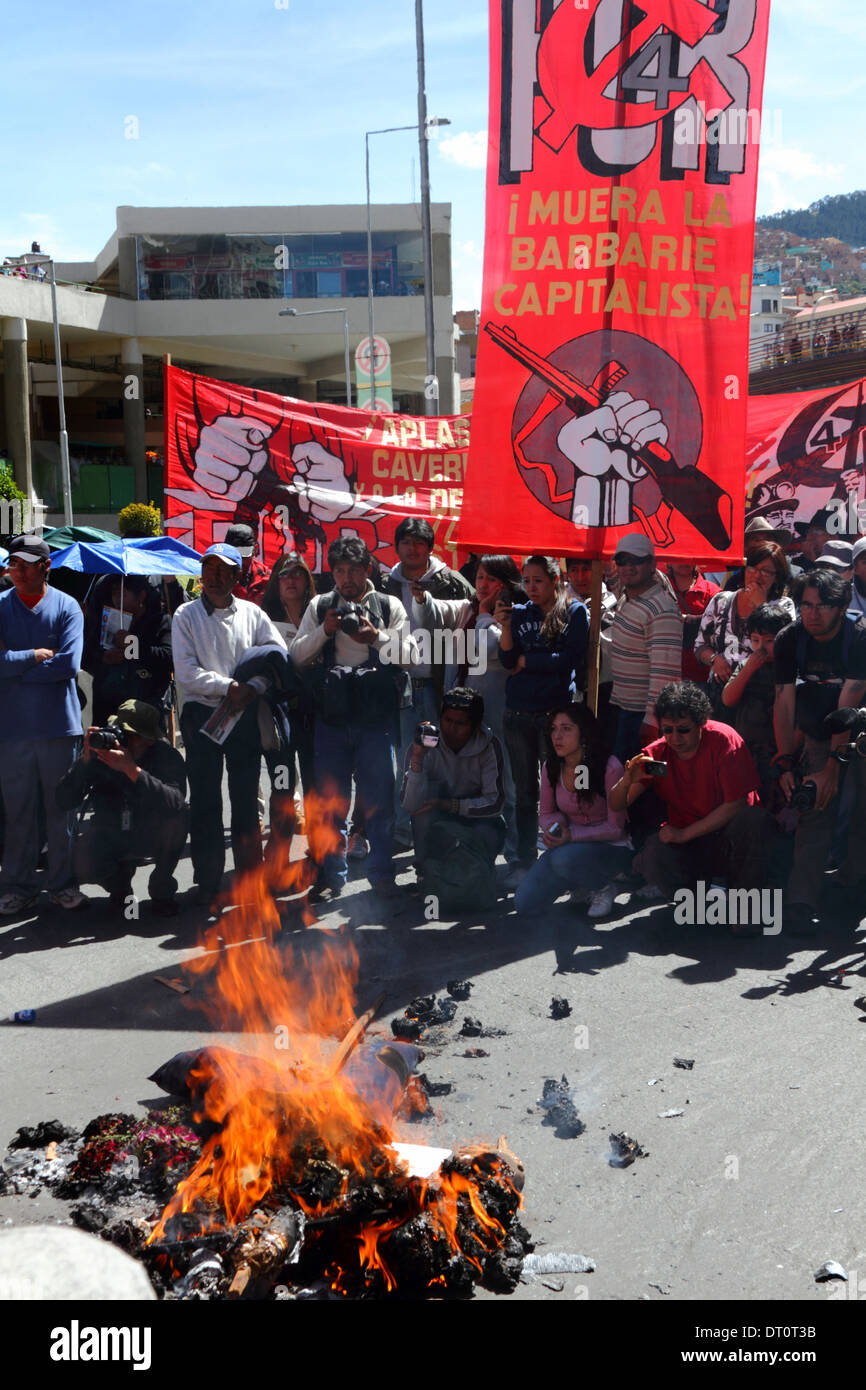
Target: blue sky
(267, 101)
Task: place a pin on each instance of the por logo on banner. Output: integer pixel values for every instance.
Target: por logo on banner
(301, 474)
(612, 366)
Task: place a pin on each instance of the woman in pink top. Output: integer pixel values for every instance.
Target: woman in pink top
(586, 842)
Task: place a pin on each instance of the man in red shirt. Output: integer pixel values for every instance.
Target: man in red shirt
(715, 825)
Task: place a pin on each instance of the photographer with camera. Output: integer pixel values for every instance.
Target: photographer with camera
(137, 784)
(358, 705)
(705, 775)
(454, 790)
(820, 665)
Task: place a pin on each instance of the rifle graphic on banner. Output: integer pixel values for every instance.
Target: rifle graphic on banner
(685, 489)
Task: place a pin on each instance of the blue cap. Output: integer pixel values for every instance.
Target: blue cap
(227, 553)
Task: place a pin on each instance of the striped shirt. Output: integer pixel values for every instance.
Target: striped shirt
(646, 649)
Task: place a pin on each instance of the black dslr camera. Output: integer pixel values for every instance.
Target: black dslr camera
(805, 793)
(110, 737)
(853, 722)
(351, 618)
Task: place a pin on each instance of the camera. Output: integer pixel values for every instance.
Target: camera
(654, 768)
(351, 618)
(555, 830)
(804, 795)
(852, 721)
(107, 738)
(427, 735)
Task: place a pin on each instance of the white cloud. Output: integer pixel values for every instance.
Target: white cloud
(466, 262)
(468, 149)
(790, 177)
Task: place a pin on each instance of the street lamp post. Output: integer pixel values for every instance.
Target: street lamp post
(388, 130)
(312, 313)
(37, 258)
(431, 384)
(423, 135)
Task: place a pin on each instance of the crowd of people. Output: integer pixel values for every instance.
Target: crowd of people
(445, 714)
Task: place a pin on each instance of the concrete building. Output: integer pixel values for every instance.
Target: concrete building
(206, 285)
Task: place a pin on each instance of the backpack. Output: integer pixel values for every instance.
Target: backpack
(369, 694)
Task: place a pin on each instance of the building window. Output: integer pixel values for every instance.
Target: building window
(278, 266)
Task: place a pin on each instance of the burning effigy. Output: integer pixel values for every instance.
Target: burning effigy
(282, 1170)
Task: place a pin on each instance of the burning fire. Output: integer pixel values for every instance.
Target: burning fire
(291, 1126)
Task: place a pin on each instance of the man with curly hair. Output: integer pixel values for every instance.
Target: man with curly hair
(709, 785)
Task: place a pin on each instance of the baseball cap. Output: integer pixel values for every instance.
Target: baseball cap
(635, 544)
(837, 555)
(138, 717)
(30, 548)
(243, 538)
(859, 548)
(227, 553)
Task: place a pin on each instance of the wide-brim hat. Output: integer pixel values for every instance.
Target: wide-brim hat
(138, 717)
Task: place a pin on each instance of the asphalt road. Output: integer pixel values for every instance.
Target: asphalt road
(742, 1196)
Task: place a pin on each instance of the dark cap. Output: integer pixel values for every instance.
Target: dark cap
(30, 548)
(242, 537)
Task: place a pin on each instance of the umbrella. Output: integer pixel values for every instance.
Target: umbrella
(149, 555)
(157, 555)
(59, 537)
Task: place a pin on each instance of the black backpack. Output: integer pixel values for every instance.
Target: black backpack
(368, 694)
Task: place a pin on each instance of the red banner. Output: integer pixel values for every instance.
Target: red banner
(612, 366)
(806, 454)
(302, 474)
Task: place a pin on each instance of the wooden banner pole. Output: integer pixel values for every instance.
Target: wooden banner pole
(594, 648)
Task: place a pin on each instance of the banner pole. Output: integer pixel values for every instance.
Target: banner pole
(594, 647)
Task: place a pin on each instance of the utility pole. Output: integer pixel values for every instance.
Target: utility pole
(431, 385)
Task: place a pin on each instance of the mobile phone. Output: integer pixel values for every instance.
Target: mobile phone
(654, 768)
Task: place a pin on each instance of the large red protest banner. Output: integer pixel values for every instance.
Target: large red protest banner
(612, 365)
(302, 474)
(806, 454)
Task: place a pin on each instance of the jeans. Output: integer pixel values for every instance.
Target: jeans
(628, 728)
(25, 766)
(242, 755)
(814, 833)
(423, 707)
(107, 855)
(527, 743)
(739, 851)
(368, 752)
(586, 866)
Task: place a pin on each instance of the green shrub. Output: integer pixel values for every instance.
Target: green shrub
(11, 518)
(140, 520)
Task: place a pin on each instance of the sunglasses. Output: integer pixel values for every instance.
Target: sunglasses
(669, 729)
(623, 559)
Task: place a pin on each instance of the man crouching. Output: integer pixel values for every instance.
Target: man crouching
(453, 789)
(705, 774)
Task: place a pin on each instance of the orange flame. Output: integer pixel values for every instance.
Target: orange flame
(283, 1106)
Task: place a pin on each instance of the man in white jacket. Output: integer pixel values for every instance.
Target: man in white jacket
(209, 639)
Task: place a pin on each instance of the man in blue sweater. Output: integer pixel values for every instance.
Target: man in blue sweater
(41, 637)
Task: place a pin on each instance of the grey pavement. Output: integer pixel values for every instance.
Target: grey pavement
(742, 1196)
